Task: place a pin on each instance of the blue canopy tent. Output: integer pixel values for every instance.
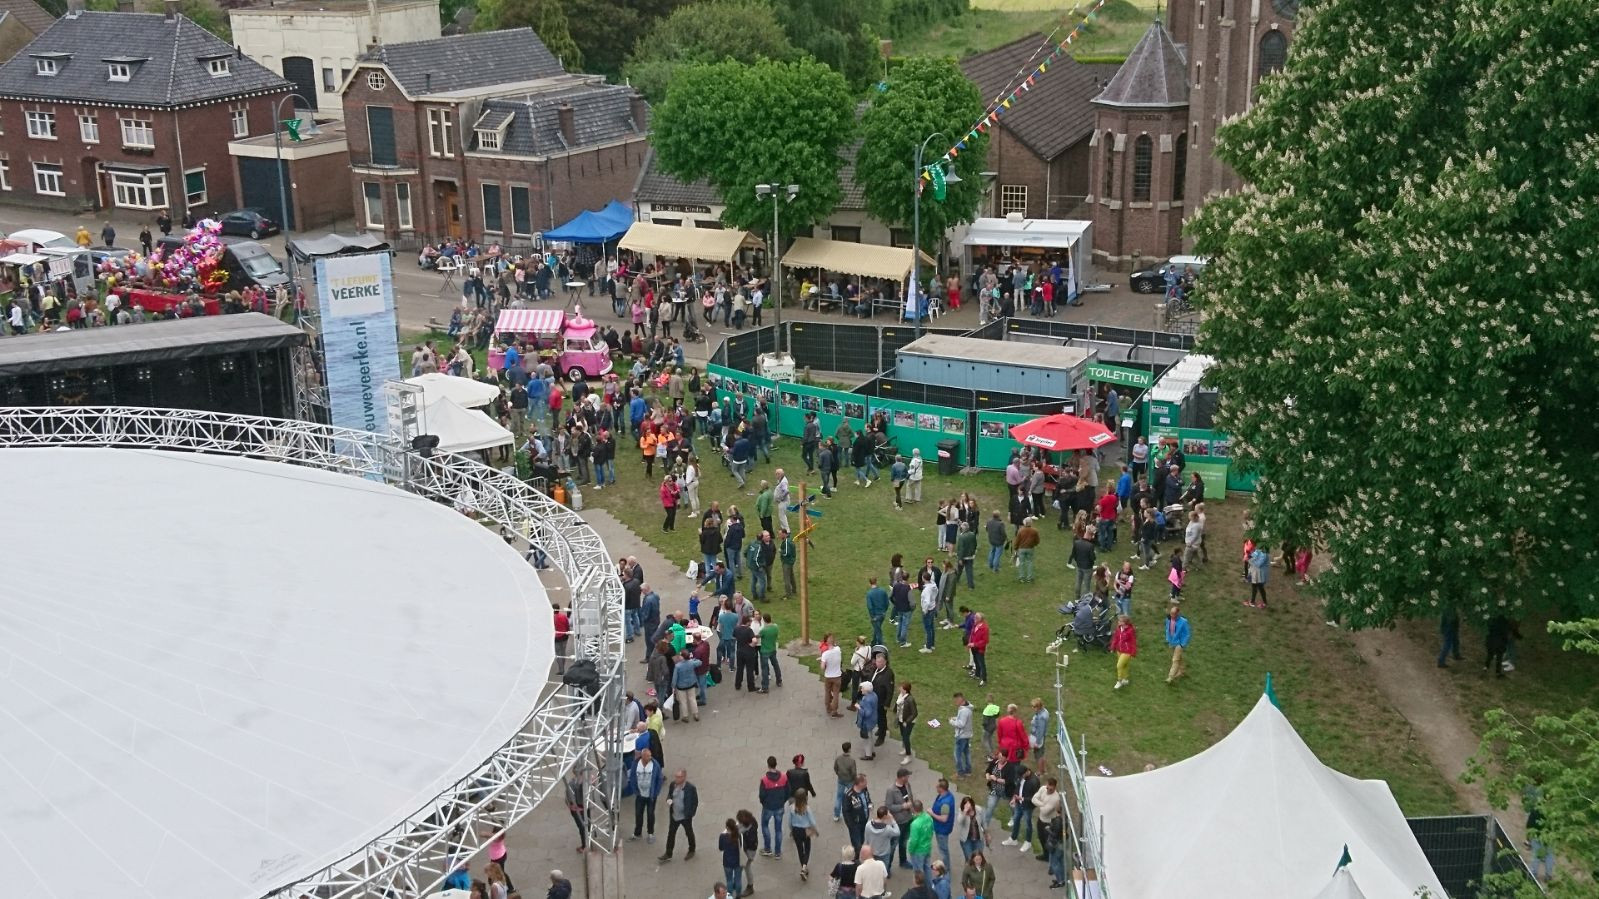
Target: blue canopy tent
(618, 213)
(592, 227)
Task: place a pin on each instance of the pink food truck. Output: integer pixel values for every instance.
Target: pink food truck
(570, 343)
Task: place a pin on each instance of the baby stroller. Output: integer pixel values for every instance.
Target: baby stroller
(1091, 624)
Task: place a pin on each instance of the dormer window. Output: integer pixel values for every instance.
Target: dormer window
(490, 129)
(119, 71)
(45, 67)
(219, 67)
(488, 140)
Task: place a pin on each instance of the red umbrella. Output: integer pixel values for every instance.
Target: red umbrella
(1059, 433)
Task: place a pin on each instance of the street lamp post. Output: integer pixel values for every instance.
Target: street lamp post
(913, 301)
(283, 181)
(762, 191)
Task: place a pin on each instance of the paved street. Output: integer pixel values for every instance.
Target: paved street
(725, 754)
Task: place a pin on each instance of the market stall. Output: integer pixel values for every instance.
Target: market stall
(998, 241)
(674, 242)
(462, 430)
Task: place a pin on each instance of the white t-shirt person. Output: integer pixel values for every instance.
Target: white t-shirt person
(871, 878)
(833, 661)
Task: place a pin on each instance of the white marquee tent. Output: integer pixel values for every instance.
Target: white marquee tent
(465, 391)
(463, 430)
(1256, 816)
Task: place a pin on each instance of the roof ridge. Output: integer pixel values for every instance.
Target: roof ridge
(172, 66)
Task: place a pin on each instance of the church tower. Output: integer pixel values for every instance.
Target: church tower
(1139, 154)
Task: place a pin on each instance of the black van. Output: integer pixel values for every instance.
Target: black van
(249, 263)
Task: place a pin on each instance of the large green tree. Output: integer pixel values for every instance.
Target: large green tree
(922, 96)
(607, 30)
(705, 32)
(840, 33)
(547, 18)
(741, 125)
(1552, 763)
(1402, 303)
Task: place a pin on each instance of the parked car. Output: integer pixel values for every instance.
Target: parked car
(251, 223)
(1153, 280)
(249, 263)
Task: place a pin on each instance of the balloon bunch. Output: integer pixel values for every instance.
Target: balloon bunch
(196, 264)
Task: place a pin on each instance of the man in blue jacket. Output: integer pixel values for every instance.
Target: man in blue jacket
(773, 793)
(647, 773)
(876, 609)
(637, 408)
(1177, 637)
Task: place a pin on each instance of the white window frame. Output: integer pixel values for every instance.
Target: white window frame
(1012, 198)
(376, 80)
(49, 179)
(41, 124)
(88, 127)
(488, 139)
(139, 190)
(193, 199)
(136, 130)
(5, 174)
(328, 84)
(46, 67)
(118, 71)
(402, 205)
(366, 204)
(441, 124)
(219, 68)
(240, 117)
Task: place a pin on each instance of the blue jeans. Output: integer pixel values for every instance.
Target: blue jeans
(871, 468)
(709, 561)
(605, 473)
(632, 625)
(963, 755)
(995, 553)
(1057, 863)
(758, 582)
(923, 863)
(838, 800)
(989, 807)
(877, 630)
(942, 841)
(860, 473)
(1021, 813)
(967, 848)
(967, 565)
(1107, 533)
(730, 555)
(769, 668)
(1451, 645)
(1124, 605)
(734, 878)
(902, 626)
(927, 627)
(773, 840)
(724, 651)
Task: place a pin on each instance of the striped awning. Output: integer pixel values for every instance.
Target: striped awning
(529, 321)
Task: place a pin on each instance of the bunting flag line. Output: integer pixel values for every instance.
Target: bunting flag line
(1011, 94)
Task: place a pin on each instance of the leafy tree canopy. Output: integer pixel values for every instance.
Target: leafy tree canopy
(923, 96)
(607, 30)
(1552, 763)
(840, 33)
(547, 18)
(1402, 303)
(205, 13)
(710, 31)
(770, 122)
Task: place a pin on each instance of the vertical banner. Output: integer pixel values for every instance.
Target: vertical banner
(356, 296)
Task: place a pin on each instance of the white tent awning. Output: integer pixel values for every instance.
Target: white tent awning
(464, 391)
(676, 242)
(996, 232)
(462, 430)
(845, 257)
(1256, 816)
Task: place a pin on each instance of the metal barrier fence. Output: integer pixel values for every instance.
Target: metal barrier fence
(1465, 849)
(569, 729)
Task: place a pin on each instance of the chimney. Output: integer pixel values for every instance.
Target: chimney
(172, 10)
(124, 5)
(568, 117)
(74, 7)
(641, 113)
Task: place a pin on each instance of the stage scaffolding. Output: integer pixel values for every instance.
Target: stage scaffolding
(569, 731)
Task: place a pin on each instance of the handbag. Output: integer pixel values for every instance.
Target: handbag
(811, 832)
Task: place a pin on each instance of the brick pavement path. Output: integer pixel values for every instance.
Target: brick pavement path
(725, 754)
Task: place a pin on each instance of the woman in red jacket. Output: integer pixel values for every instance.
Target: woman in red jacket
(978, 644)
(669, 494)
(1012, 735)
(1124, 643)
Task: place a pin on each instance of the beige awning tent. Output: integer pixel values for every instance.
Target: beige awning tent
(677, 242)
(844, 257)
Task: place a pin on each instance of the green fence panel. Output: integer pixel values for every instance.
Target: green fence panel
(742, 388)
(1214, 474)
(994, 442)
(830, 406)
(921, 426)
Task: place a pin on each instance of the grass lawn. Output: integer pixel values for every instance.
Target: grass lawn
(1320, 681)
(993, 23)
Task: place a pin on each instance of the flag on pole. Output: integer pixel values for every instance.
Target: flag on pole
(940, 190)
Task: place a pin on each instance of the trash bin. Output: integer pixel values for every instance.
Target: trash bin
(949, 456)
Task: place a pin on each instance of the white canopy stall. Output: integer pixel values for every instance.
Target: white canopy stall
(1015, 235)
(463, 430)
(1256, 816)
(675, 242)
(464, 391)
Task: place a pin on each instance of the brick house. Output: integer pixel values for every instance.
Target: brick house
(1039, 150)
(121, 109)
(20, 22)
(485, 136)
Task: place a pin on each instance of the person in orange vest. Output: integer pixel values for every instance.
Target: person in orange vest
(646, 445)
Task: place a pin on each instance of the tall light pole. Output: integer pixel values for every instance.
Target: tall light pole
(278, 125)
(762, 191)
(913, 301)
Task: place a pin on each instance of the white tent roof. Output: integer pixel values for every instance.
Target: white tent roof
(465, 391)
(187, 717)
(674, 242)
(1256, 816)
(996, 232)
(462, 430)
(1342, 886)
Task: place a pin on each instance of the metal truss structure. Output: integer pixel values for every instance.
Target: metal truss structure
(1085, 825)
(570, 733)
